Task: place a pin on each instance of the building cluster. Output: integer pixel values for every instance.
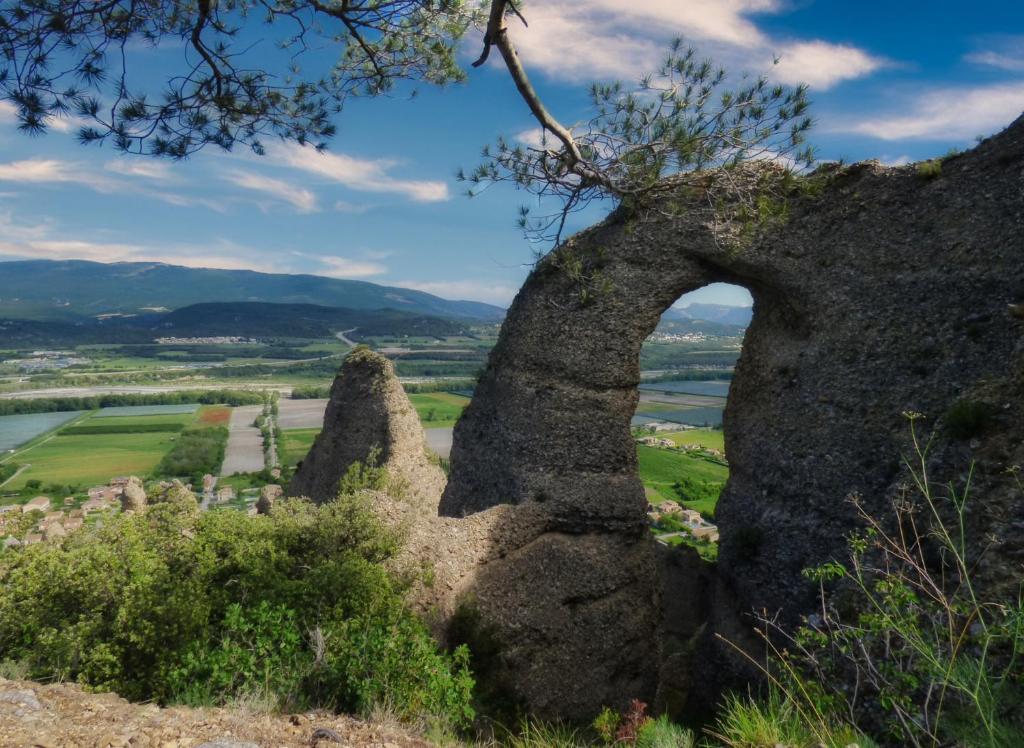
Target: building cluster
(57, 522)
(692, 520)
(217, 340)
(47, 361)
(677, 337)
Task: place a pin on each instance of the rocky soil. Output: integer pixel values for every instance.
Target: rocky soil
(65, 716)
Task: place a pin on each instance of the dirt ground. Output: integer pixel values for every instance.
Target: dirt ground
(65, 716)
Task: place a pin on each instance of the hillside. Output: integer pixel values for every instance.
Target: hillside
(721, 313)
(252, 319)
(46, 289)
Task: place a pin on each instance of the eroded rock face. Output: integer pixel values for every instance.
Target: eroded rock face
(369, 412)
(886, 292)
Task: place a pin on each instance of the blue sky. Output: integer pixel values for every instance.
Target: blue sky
(898, 81)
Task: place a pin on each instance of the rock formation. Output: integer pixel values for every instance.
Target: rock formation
(268, 495)
(369, 415)
(133, 496)
(885, 290)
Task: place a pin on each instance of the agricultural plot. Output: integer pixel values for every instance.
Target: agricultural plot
(92, 459)
(693, 480)
(147, 410)
(687, 416)
(296, 445)
(711, 388)
(18, 430)
(706, 438)
(439, 409)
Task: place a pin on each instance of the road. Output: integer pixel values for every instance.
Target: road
(245, 442)
(18, 472)
(341, 336)
(440, 441)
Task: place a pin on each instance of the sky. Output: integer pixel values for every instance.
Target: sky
(895, 81)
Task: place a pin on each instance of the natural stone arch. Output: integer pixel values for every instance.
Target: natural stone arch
(885, 291)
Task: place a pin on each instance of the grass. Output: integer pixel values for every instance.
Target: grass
(660, 469)
(97, 419)
(296, 445)
(439, 409)
(707, 438)
(93, 459)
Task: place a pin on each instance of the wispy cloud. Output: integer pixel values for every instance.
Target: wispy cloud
(303, 200)
(1003, 52)
(160, 171)
(608, 38)
(471, 290)
(945, 113)
(364, 175)
(343, 267)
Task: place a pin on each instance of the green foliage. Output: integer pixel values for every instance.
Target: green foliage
(66, 404)
(206, 608)
(662, 733)
(606, 725)
(746, 722)
(364, 476)
(680, 121)
(536, 734)
(931, 169)
(935, 662)
(197, 452)
(967, 419)
(95, 429)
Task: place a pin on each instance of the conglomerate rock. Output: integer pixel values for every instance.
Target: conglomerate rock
(884, 290)
(133, 496)
(369, 416)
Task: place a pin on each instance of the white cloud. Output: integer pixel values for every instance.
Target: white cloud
(822, 65)
(44, 240)
(364, 175)
(53, 171)
(1013, 63)
(147, 169)
(343, 267)
(946, 113)
(471, 290)
(610, 39)
(303, 200)
(533, 137)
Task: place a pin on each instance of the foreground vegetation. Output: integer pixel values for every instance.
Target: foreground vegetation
(292, 610)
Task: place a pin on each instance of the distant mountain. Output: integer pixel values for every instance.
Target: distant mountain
(68, 289)
(244, 319)
(258, 320)
(721, 313)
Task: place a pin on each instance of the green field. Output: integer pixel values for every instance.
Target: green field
(701, 479)
(92, 460)
(707, 438)
(439, 409)
(296, 445)
(183, 419)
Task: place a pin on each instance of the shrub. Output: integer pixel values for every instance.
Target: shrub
(195, 453)
(933, 661)
(661, 733)
(930, 169)
(207, 608)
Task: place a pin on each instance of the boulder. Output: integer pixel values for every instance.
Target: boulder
(369, 418)
(268, 495)
(133, 496)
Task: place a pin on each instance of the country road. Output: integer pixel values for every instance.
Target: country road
(245, 442)
(341, 336)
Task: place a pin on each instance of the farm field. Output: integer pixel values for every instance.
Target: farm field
(686, 416)
(296, 445)
(701, 478)
(707, 438)
(92, 459)
(439, 409)
(146, 410)
(712, 388)
(18, 430)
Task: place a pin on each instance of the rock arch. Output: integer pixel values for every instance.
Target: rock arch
(888, 290)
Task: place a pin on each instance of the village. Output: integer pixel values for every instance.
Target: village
(43, 519)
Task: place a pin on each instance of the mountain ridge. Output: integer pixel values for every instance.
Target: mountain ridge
(61, 289)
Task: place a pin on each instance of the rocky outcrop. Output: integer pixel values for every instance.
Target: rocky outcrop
(369, 417)
(884, 290)
(268, 495)
(133, 496)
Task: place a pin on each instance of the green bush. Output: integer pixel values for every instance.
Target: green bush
(177, 605)
(930, 169)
